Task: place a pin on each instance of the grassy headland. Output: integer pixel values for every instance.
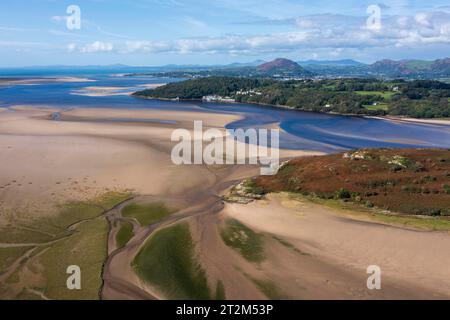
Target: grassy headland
(405, 181)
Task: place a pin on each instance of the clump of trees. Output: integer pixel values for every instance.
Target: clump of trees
(418, 98)
(198, 88)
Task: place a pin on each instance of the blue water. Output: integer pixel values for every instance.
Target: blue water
(301, 130)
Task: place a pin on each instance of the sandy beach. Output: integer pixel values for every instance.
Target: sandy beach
(12, 81)
(444, 121)
(413, 263)
(99, 91)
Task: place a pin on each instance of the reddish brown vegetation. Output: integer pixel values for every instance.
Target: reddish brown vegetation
(279, 63)
(411, 181)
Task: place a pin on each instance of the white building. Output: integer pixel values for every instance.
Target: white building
(216, 98)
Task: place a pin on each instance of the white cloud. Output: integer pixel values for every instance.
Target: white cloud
(313, 32)
(98, 46)
(94, 47)
(146, 46)
(71, 47)
(59, 18)
(422, 18)
(305, 23)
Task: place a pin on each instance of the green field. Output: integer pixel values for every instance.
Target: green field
(167, 261)
(147, 214)
(244, 240)
(124, 234)
(385, 94)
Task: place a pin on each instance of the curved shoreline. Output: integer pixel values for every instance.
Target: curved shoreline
(407, 119)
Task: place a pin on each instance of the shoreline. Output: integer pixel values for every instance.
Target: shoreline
(407, 119)
(12, 81)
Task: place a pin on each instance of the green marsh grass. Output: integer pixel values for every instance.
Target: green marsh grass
(167, 261)
(244, 240)
(147, 214)
(220, 291)
(60, 247)
(124, 234)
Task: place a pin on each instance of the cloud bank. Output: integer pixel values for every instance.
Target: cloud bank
(325, 31)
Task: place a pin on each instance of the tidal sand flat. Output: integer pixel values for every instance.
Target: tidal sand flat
(334, 249)
(77, 183)
(13, 81)
(103, 91)
(50, 166)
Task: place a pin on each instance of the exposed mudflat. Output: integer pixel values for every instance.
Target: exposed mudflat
(309, 251)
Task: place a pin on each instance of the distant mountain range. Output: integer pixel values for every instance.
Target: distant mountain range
(411, 68)
(278, 68)
(345, 62)
(414, 69)
(285, 68)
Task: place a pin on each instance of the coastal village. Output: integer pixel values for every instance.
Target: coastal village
(227, 99)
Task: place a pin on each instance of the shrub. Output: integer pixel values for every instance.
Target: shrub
(446, 188)
(342, 194)
(410, 189)
(369, 204)
(251, 187)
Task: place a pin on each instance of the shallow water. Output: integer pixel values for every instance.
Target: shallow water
(301, 130)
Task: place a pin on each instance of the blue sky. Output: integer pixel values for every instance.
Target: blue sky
(158, 32)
